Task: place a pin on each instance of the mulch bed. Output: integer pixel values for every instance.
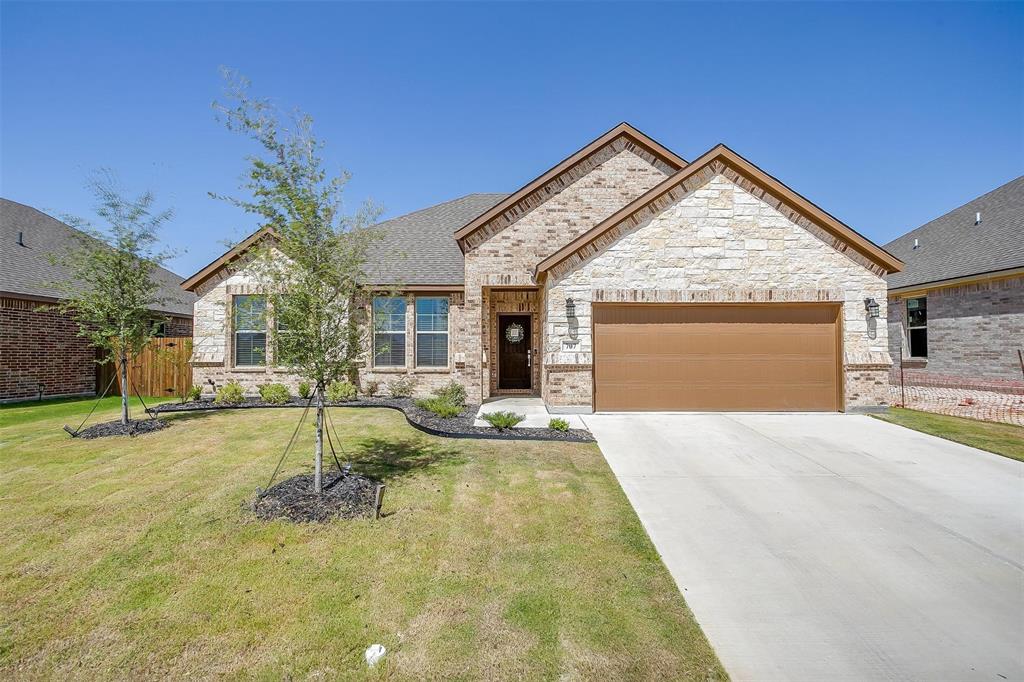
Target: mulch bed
(460, 426)
(116, 428)
(345, 496)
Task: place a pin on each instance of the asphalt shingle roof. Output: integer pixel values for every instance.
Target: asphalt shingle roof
(420, 247)
(26, 270)
(953, 246)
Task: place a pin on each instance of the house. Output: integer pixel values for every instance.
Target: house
(622, 278)
(41, 354)
(956, 312)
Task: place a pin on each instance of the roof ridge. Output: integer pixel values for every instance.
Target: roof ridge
(443, 203)
(955, 209)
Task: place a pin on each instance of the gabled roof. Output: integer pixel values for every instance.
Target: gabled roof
(625, 130)
(415, 249)
(952, 246)
(721, 154)
(26, 270)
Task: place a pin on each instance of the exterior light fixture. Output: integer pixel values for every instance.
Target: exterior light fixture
(570, 308)
(871, 305)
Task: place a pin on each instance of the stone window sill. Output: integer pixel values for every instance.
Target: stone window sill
(412, 370)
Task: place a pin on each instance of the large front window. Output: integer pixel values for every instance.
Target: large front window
(250, 331)
(388, 331)
(432, 332)
(917, 326)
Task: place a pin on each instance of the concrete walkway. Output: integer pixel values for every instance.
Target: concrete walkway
(531, 407)
(832, 547)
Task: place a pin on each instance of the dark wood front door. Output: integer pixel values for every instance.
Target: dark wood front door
(514, 352)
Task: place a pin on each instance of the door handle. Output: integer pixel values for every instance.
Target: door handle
(529, 362)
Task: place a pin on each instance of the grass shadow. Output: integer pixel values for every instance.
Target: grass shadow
(389, 459)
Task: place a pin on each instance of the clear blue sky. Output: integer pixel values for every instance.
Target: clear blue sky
(886, 115)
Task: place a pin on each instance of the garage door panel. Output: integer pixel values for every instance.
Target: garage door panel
(713, 357)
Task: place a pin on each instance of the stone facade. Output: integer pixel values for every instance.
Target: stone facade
(717, 243)
(974, 333)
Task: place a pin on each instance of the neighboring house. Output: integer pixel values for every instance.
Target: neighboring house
(623, 278)
(956, 312)
(40, 352)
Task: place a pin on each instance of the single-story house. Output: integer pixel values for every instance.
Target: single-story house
(622, 278)
(956, 311)
(41, 355)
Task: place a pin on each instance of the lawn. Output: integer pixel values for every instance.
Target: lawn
(1002, 439)
(127, 558)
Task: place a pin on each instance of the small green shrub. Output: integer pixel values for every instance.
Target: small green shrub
(193, 394)
(371, 388)
(503, 420)
(558, 424)
(453, 393)
(305, 390)
(230, 393)
(275, 394)
(341, 391)
(440, 407)
(401, 388)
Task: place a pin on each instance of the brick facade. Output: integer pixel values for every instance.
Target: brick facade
(41, 352)
(974, 333)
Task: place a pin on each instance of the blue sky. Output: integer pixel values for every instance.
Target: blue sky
(886, 115)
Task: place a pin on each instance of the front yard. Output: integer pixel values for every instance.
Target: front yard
(135, 558)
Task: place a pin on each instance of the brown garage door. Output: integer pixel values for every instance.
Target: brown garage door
(716, 357)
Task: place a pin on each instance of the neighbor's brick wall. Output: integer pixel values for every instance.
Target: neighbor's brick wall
(717, 243)
(974, 332)
(504, 254)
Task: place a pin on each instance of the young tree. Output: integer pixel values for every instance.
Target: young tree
(111, 292)
(311, 268)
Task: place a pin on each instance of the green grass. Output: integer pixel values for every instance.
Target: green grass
(70, 409)
(135, 558)
(1002, 439)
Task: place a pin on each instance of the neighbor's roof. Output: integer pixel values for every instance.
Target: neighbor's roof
(420, 247)
(26, 270)
(952, 246)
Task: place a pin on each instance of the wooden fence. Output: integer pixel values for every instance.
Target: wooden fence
(161, 369)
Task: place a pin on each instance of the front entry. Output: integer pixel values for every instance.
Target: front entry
(514, 358)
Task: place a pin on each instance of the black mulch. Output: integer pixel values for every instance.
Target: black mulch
(424, 420)
(134, 428)
(345, 496)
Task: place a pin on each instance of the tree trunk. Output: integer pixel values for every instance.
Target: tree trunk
(124, 389)
(318, 457)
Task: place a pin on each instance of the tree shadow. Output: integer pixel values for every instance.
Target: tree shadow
(387, 459)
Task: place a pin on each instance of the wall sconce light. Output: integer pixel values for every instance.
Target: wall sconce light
(871, 305)
(570, 308)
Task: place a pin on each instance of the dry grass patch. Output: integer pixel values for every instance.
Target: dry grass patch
(136, 558)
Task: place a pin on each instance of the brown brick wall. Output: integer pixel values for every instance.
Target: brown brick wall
(974, 332)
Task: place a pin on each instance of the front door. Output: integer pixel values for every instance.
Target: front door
(514, 359)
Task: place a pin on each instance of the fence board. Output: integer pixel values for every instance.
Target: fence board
(161, 369)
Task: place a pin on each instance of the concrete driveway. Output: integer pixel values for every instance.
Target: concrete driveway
(832, 547)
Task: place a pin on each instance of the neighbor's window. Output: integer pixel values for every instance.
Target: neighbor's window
(388, 331)
(250, 331)
(917, 326)
(432, 332)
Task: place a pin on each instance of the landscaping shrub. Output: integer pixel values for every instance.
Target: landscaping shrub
(440, 407)
(230, 393)
(341, 391)
(371, 388)
(558, 424)
(193, 394)
(452, 393)
(275, 394)
(305, 390)
(401, 388)
(503, 420)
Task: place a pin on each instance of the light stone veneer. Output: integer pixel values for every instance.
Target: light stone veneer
(718, 243)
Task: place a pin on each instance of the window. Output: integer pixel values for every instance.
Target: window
(388, 331)
(917, 326)
(432, 332)
(250, 331)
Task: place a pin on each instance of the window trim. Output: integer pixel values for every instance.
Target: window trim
(446, 333)
(910, 345)
(235, 331)
(403, 332)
